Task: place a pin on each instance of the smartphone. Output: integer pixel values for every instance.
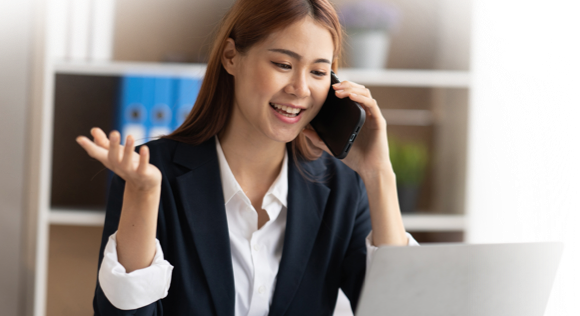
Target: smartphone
(338, 122)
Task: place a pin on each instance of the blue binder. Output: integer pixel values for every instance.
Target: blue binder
(186, 94)
(148, 101)
(132, 112)
(160, 116)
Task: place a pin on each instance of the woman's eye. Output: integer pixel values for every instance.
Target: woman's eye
(283, 66)
(286, 66)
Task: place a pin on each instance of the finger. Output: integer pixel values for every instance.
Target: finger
(114, 148)
(352, 87)
(315, 139)
(143, 159)
(93, 150)
(100, 137)
(342, 93)
(367, 103)
(127, 162)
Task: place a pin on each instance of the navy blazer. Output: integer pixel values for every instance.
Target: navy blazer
(324, 243)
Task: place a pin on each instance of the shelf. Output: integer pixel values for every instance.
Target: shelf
(408, 117)
(413, 222)
(407, 78)
(382, 77)
(434, 222)
(76, 217)
(124, 68)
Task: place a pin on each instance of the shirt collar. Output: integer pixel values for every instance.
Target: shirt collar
(231, 187)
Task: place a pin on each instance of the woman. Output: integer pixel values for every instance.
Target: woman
(232, 213)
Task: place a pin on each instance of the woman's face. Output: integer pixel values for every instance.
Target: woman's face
(281, 82)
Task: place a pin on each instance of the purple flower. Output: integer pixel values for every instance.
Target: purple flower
(369, 15)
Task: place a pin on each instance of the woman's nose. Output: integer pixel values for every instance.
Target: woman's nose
(298, 86)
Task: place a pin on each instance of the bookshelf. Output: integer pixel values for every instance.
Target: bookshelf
(423, 93)
(100, 72)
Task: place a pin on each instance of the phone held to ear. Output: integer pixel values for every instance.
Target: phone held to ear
(338, 122)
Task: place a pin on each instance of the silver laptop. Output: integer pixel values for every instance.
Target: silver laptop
(460, 280)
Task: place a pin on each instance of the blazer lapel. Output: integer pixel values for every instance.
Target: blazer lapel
(201, 195)
(306, 204)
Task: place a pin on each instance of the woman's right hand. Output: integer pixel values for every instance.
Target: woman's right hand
(133, 167)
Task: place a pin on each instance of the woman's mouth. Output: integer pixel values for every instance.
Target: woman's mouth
(286, 111)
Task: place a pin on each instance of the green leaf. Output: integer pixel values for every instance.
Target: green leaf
(409, 161)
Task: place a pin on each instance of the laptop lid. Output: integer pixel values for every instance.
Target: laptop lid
(460, 279)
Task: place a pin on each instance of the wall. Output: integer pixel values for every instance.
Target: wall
(15, 40)
(524, 159)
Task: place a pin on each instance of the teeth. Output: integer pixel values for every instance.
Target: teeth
(287, 109)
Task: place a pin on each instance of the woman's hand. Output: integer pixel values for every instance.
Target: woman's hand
(134, 168)
(369, 157)
(370, 152)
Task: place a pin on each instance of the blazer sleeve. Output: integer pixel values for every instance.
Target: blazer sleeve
(354, 263)
(101, 305)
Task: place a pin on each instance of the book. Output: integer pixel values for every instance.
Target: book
(132, 110)
(81, 30)
(186, 94)
(102, 30)
(160, 115)
(80, 13)
(58, 25)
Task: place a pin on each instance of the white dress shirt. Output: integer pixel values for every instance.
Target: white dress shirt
(256, 253)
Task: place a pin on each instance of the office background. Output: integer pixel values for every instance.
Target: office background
(513, 130)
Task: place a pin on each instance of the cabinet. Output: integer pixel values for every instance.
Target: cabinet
(424, 96)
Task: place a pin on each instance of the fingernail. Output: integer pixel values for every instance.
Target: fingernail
(353, 94)
(339, 91)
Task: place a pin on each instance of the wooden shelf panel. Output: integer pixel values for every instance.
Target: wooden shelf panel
(378, 77)
(413, 222)
(407, 78)
(76, 217)
(434, 222)
(408, 117)
(125, 68)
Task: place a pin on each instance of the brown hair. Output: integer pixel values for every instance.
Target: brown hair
(247, 23)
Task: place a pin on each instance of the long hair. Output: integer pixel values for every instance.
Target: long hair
(248, 22)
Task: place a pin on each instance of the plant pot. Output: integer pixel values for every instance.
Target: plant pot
(368, 48)
(408, 196)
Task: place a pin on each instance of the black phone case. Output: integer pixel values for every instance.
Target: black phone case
(338, 122)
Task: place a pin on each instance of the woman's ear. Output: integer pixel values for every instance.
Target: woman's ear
(228, 56)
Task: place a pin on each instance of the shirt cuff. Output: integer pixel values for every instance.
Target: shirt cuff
(138, 288)
(371, 248)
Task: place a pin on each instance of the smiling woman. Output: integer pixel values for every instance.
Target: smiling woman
(261, 22)
(217, 217)
(281, 82)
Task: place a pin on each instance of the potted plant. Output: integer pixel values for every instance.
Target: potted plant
(409, 161)
(368, 23)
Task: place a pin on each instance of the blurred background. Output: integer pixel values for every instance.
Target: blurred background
(480, 98)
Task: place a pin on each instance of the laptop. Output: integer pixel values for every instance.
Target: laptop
(460, 280)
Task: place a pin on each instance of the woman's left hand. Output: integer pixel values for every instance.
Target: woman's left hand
(370, 152)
